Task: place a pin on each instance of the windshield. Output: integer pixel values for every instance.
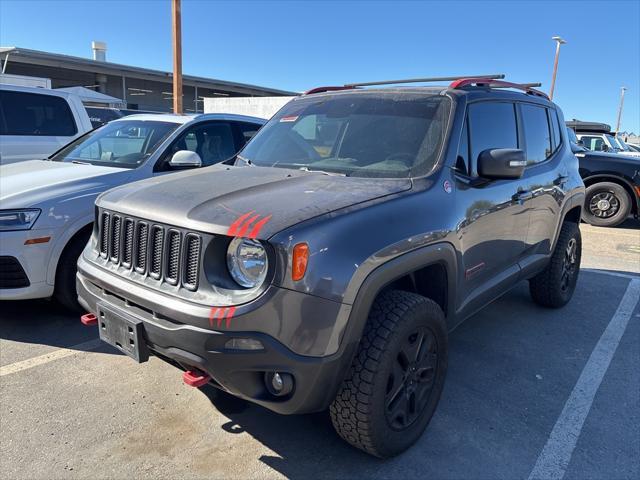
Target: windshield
(614, 143)
(622, 144)
(361, 135)
(125, 144)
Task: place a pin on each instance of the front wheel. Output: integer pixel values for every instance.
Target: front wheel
(554, 286)
(606, 204)
(396, 377)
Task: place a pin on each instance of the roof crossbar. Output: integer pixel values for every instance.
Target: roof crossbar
(351, 86)
(423, 80)
(482, 82)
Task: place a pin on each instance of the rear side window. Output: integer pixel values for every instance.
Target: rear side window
(491, 125)
(536, 133)
(35, 114)
(555, 129)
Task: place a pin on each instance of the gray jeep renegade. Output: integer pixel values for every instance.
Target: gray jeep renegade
(323, 266)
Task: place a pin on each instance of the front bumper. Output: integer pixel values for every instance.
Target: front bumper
(34, 260)
(179, 336)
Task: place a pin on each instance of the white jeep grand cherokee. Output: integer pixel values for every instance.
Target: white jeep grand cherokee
(47, 206)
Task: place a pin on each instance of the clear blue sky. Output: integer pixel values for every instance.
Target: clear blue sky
(298, 45)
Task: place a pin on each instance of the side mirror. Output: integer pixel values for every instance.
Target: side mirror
(581, 143)
(499, 163)
(605, 147)
(185, 159)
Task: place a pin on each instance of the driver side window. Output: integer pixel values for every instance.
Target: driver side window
(213, 142)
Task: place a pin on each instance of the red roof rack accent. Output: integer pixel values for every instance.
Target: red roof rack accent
(328, 89)
(526, 87)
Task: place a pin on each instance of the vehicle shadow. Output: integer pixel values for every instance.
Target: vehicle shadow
(499, 404)
(44, 322)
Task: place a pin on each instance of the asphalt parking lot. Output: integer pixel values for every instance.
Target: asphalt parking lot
(530, 393)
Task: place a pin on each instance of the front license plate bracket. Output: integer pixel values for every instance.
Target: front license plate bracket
(123, 331)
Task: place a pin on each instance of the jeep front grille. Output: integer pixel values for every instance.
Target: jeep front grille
(163, 253)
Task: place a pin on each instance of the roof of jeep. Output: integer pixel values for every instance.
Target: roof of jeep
(472, 93)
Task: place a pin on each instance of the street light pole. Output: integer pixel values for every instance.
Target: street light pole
(559, 41)
(622, 90)
(177, 56)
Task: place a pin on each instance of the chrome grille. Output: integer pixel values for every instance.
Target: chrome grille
(167, 254)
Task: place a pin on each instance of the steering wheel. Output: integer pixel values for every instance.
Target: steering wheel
(302, 143)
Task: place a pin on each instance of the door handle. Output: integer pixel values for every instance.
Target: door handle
(561, 179)
(522, 195)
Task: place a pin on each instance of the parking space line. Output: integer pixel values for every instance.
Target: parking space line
(613, 274)
(556, 454)
(49, 357)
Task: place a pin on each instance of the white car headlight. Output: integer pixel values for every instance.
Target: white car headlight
(18, 219)
(247, 262)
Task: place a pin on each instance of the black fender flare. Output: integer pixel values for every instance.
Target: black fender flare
(442, 253)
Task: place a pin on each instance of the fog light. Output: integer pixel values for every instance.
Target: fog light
(244, 344)
(278, 384)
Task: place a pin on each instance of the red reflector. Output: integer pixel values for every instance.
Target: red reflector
(195, 378)
(89, 319)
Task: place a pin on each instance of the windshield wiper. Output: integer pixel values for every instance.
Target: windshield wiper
(78, 162)
(324, 172)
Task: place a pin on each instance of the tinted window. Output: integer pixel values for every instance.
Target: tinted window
(365, 135)
(212, 141)
(491, 125)
(123, 143)
(35, 114)
(248, 131)
(536, 132)
(555, 129)
(462, 161)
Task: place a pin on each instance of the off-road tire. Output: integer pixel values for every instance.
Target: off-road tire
(358, 412)
(548, 287)
(614, 196)
(65, 292)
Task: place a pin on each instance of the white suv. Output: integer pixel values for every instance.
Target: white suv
(47, 206)
(35, 122)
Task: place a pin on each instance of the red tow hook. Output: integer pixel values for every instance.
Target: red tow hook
(195, 378)
(89, 319)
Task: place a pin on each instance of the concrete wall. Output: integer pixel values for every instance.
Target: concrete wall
(262, 107)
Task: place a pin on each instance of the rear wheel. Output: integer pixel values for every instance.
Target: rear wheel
(607, 204)
(397, 375)
(65, 291)
(554, 286)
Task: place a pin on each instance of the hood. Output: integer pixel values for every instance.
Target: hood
(26, 184)
(255, 202)
(612, 157)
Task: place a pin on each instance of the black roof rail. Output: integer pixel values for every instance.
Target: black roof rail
(351, 86)
(424, 80)
(482, 82)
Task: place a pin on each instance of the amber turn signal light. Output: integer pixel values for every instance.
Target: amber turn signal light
(300, 260)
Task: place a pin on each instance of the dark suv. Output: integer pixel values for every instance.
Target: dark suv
(324, 267)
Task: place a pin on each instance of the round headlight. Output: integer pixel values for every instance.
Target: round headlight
(247, 262)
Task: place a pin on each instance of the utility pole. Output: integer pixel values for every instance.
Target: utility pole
(177, 56)
(622, 90)
(559, 41)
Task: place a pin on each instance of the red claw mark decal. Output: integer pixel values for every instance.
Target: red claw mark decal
(219, 314)
(248, 225)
